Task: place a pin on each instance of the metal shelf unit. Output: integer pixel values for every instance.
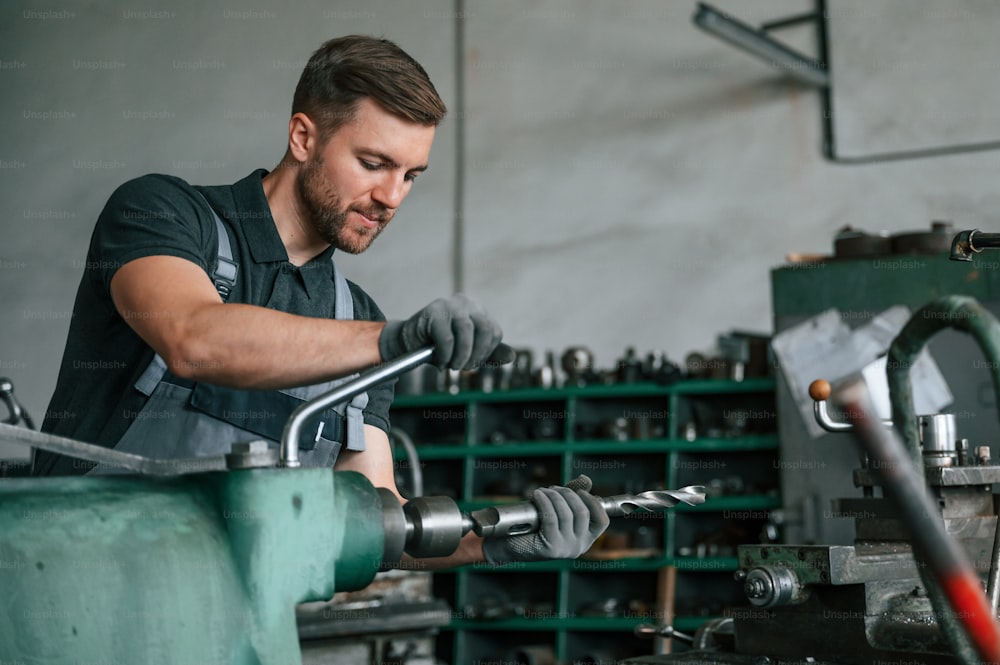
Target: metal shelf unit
(488, 448)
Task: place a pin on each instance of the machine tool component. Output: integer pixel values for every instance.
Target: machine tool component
(938, 439)
(937, 240)
(343, 393)
(16, 412)
(434, 526)
(170, 467)
(519, 518)
(252, 455)
(210, 563)
(959, 312)
(967, 243)
(395, 528)
(772, 586)
(111, 458)
(850, 242)
(649, 630)
(412, 459)
(959, 584)
(938, 436)
(819, 391)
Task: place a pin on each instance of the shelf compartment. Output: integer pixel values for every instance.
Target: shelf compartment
(716, 534)
(727, 474)
(706, 595)
(430, 425)
(638, 418)
(719, 416)
(621, 474)
(498, 423)
(590, 646)
(489, 598)
(641, 389)
(490, 646)
(512, 477)
(610, 595)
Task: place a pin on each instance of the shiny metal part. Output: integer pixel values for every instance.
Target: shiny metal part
(939, 439)
(434, 525)
(518, 518)
(649, 630)
(17, 411)
(395, 526)
(343, 393)
(972, 241)
(252, 455)
(772, 586)
(823, 419)
(110, 458)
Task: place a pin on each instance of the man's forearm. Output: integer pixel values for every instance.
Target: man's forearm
(254, 347)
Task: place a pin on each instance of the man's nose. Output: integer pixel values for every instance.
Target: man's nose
(390, 191)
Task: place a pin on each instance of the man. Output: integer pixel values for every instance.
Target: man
(205, 315)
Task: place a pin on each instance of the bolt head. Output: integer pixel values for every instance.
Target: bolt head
(258, 446)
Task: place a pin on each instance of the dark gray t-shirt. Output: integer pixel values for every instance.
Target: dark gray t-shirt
(158, 215)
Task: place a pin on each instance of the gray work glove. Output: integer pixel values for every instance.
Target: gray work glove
(570, 520)
(464, 336)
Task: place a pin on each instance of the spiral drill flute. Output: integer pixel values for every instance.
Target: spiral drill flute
(518, 518)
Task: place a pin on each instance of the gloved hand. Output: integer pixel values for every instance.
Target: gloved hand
(464, 336)
(570, 520)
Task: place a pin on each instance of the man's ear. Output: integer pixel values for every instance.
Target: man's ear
(303, 137)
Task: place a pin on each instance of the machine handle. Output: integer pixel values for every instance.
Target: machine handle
(649, 630)
(343, 393)
(819, 391)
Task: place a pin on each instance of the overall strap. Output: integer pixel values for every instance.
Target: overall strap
(343, 309)
(224, 277)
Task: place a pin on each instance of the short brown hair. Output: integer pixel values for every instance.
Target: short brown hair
(345, 70)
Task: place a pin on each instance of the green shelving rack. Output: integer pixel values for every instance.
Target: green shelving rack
(553, 435)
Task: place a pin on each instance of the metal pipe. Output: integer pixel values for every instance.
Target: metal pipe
(967, 243)
(762, 45)
(952, 583)
(412, 458)
(798, 19)
(342, 393)
(993, 581)
(959, 312)
(108, 457)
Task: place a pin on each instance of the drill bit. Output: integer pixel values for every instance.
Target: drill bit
(653, 501)
(518, 518)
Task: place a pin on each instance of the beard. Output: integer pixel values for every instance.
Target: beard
(329, 218)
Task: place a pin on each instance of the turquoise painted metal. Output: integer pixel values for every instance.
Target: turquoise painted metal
(202, 568)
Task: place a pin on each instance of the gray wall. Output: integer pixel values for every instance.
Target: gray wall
(630, 179)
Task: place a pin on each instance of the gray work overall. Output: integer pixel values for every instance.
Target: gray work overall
(203, 420)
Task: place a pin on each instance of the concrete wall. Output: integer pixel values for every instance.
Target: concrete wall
(630, 179)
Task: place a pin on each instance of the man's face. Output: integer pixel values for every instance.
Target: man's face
(352, 187)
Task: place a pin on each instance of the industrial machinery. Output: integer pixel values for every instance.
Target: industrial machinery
(204, 560)
(910, 589)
